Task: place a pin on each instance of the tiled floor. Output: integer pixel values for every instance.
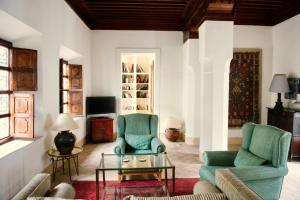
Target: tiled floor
(184, 157)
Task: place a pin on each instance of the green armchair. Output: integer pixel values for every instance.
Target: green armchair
(261, 162)
(137, 133)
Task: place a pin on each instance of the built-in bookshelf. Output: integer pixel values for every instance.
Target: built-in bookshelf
(137, 82)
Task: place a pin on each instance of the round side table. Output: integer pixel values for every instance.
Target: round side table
(55, 157)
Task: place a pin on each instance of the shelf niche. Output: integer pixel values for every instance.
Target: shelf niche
(137, 70)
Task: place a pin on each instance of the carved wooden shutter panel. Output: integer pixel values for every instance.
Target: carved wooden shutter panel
(75, 76)
(21, 115)
(75, 89)
(24, 69)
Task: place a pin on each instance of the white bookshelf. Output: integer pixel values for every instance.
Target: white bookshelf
(137, 82)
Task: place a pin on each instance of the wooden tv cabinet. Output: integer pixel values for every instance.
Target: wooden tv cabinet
(101, 129)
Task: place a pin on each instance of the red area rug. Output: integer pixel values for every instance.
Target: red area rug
(87, 189)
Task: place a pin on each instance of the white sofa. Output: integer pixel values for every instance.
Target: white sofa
(40, 186)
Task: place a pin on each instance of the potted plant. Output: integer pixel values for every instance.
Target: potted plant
(172, 131)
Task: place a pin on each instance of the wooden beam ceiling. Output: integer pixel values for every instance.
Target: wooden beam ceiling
(180, 15)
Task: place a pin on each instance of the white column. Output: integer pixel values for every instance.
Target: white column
(215, 54)
(190, 95)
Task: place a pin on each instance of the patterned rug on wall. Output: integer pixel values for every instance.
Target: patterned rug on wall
(87, 189)
(244, 89)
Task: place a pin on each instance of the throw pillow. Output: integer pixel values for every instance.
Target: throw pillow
(140, 142)
(245, 158)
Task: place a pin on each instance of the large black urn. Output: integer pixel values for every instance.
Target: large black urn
(64, 142)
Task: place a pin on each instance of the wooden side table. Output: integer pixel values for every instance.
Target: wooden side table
(55, 157)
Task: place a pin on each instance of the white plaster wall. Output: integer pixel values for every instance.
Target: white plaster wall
(286, 42)
(215, 54)
(190, 95)
(106, 71)
(58, 25)
(258, 37)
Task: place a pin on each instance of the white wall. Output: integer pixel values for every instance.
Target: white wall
(58, 25)
(215, 54)
(190, 93)
(286, 52)
(258, 38)
(106, 71)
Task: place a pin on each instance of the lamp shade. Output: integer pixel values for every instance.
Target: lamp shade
(279, 84)
(172, 122)
(64, 122)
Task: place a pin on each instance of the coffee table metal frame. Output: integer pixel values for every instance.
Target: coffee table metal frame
(102, 168)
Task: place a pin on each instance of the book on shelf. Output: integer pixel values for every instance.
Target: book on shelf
(142, 79)
(126, 95)
(139, 69)
(142, 94)
(127, 69)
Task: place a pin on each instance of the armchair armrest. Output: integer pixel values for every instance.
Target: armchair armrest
(120, 146)
(219, 158)
(157, 146)
(258, 172)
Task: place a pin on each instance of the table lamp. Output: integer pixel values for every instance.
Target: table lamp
(64, 140)
(279, 85)
(173, 126)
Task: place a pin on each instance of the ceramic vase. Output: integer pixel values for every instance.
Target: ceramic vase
(296, 104)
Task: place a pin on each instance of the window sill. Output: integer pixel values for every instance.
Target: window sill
(14, 145)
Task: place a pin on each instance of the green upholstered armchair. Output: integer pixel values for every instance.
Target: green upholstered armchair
(261, 162)
(137, 133)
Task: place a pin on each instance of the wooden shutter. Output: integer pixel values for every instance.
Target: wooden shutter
(75, 89)
(75, 102)
(24, 69)
(21, 108)
(75, 76)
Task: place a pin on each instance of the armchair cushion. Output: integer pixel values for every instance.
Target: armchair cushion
(245, 158)
(140, 142)
(255, 173)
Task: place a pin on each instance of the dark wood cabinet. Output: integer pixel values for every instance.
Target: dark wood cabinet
(101, 129)
(288, 120)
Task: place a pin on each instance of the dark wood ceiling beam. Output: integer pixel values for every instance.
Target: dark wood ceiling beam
(185, 15)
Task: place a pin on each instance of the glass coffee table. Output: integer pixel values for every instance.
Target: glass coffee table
(134, 164)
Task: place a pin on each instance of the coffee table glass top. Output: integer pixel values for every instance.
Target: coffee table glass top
(134, 161)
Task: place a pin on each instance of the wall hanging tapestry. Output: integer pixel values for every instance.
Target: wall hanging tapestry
(244, 89)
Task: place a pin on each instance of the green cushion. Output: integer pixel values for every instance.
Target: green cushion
(265, 142)
(245, 158)
(141, 142)
(137, 124)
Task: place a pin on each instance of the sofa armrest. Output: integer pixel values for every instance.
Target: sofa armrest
(38, 186)
(120, 146)
(258, 172)
(233, 187)
(219, 158)
(206, 196)
(63, 190)
(157, 146)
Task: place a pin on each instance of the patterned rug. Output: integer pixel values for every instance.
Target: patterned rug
(244, 89)
(87, 189)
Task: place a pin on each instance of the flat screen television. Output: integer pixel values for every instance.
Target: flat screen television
(100, 105)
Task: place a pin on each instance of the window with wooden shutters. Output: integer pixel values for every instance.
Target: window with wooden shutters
(18, 72)
(70, 88)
